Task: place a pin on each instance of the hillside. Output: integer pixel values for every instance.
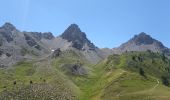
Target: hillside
(130, 76)
(36, 66)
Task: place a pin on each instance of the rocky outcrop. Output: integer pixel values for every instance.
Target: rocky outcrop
(6, 32)
(142, 38)
(78, 70)
(48, 35)
(75, 69)
(78, 38)
(8, 27)
(56, 53)
(39, 35)
(16, 45)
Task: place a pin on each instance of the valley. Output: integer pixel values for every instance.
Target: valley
(70, 67)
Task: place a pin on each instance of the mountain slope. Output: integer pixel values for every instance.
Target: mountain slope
(142, 42)
(74, 39)
(17, 46)
(70, 67)
(79, 41)
(36, 81)
(125, 77)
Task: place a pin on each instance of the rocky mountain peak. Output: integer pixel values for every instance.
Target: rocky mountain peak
(73, 33)
(77, 37)
(142, 42)
(142, 38)
(8, 26)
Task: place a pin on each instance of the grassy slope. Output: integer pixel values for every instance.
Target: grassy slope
(116, 78)
(47, 82)
(129, 84)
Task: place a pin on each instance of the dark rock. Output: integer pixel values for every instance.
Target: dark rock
(30, 41)
(75, 69)
(39, 36)
(8, 26)
(77, 45)
(36, 35)
(56, 53)
(78, 70)
(48, 35)
(6, 34)
(1, 43)
(77, 37)
(38, 47)
(143, 38)
(1, 52)
(8, 54)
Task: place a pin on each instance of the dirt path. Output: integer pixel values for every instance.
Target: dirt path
(156, 85)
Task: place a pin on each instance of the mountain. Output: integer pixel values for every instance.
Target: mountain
(74, 39)
(78, 38)
(129, 76)
(71, 67)
(142, 42)
(17, 46)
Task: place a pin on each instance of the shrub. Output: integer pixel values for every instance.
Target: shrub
(31, 82)
(165, 81)
(14, 82)
(141, 72)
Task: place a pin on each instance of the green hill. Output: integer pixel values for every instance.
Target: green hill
(129, 76)
(134, 76)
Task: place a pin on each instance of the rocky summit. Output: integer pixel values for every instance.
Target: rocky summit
(142, 42)
(142, 39)
(77, 37)
(8, 26)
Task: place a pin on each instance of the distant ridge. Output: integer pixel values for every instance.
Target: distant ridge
(142, 42)
(16, 45)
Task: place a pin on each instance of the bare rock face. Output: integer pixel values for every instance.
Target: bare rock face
(143, 38)
(8, 26)
(6, 32)
(39, 35)
(16, 46)
(77, 37)
(36, 35)
(48, 35)
(142, 42)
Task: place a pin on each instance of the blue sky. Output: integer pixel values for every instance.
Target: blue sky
(107, 23)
